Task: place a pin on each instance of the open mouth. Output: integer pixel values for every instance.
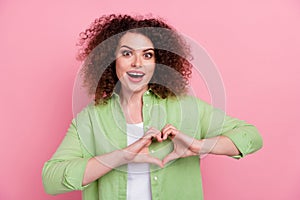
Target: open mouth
(135, 74)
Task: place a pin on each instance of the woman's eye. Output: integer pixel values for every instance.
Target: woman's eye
(126, 53)
(148, 55)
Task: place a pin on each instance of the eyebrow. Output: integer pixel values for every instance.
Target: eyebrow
(133, 49)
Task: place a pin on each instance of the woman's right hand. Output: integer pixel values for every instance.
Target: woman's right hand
(138, 152)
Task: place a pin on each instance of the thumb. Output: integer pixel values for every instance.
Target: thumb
(155, 161)
(169, 157)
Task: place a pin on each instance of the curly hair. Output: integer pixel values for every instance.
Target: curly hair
(98, 45)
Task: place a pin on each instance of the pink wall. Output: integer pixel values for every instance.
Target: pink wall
(255, 44)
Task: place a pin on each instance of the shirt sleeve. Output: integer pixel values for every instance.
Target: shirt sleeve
(65, 170)
(215, 122)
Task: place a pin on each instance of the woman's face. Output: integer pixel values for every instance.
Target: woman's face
(135, 62)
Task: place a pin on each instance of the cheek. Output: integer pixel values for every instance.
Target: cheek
(152, 68)
(120, 68)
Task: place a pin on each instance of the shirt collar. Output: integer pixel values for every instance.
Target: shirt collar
(149, 91)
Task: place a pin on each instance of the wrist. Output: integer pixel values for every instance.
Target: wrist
(207, 145)
(112, 160)
(196, 146)
(120, 157)
(203, 147)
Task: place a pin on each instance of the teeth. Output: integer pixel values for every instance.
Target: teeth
(135, 74)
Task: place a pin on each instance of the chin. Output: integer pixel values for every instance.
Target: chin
(137, 88)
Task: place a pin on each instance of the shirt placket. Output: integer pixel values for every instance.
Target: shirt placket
(154, 171)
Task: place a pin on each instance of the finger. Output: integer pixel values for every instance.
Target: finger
(159, 137)
(167, 126)
(167, 133)
(140, 144)
(172, 132)
(169, 157)
(155, 161)
(155, 134)
(151, 134)
(167, 130)
(152, 131)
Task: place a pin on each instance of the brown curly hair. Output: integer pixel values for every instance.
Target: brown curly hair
(98, 45)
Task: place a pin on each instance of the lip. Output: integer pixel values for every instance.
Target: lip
(136, 71)
(135, 79)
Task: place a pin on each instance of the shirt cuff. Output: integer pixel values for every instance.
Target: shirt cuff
(246, 139)
(74, 173)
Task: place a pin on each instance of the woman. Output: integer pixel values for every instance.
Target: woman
(142, 137)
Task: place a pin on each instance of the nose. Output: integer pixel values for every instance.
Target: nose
(137, 61)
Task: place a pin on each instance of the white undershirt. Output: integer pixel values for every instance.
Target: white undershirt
(138, 180)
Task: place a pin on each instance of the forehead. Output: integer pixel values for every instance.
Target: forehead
(135, 41)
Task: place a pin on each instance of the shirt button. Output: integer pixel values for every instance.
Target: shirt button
(147, 92)
(146, 105)
(155, 178)
(152, 151)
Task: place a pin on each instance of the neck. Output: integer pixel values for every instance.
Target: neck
(131, 97)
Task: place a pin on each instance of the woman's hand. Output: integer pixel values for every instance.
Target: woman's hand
(184, 145)
(138, 152)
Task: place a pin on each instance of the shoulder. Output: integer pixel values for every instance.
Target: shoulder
(87, 111)
(188, 104)
(187, 100)
(92, 107)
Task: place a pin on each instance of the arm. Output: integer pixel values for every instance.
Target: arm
(70, 170)
(65, 170)
(219, 127)
(100, 165)
(220, 134)
(219, 145)
(137, 152)
(185, 146)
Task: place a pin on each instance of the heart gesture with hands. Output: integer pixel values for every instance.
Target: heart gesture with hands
(138, 152)
(184, 146)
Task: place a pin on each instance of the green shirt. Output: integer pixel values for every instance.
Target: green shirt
(100, 129)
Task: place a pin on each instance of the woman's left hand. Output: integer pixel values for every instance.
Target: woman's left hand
(184, 145)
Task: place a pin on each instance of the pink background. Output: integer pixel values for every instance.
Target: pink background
(255, 44)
